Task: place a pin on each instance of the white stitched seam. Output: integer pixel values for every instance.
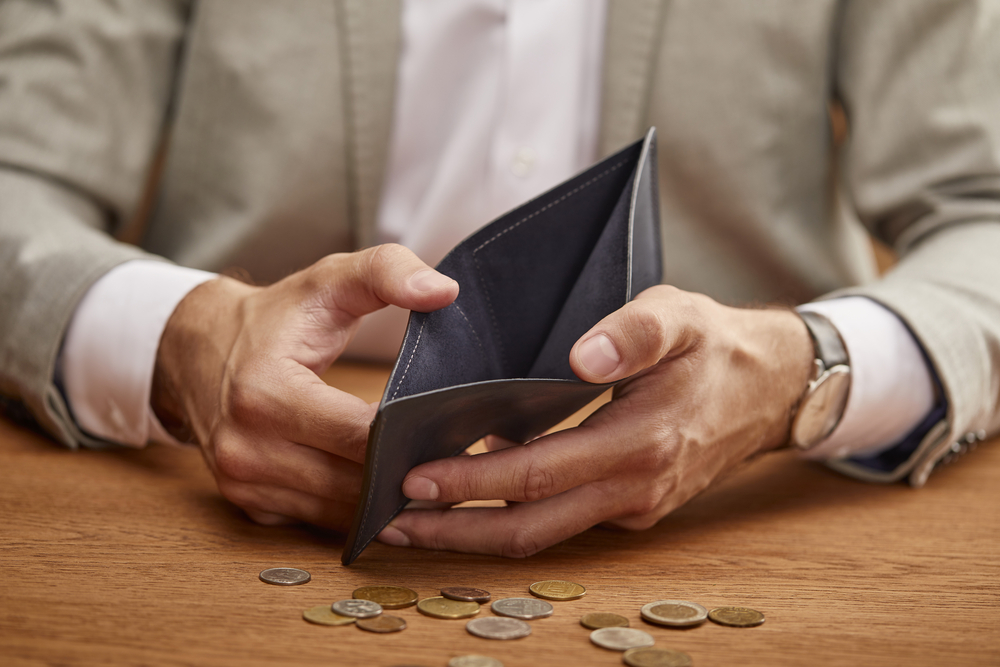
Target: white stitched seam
(471, 328)
(576, 190)
(409, 361)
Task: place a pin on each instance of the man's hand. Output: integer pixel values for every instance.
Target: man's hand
(237, 370)
(711, 386)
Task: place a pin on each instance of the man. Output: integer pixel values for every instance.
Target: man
(292, 132)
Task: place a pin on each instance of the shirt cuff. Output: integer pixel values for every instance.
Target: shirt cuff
(109, 352)
(892, 390)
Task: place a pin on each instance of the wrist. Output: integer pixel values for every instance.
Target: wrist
(192, 355)
(774, 346)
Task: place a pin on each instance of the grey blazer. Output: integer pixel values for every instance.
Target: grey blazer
(253, 134)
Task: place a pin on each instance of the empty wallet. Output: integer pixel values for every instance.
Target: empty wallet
(496, 361)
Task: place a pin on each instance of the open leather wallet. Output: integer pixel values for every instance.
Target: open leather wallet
(496, 361)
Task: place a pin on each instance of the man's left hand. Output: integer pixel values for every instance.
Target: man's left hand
(708, 387)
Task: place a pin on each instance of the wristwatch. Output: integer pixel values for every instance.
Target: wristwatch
(822, 405)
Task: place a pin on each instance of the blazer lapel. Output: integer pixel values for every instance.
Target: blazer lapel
(630, 48)
(371, 37)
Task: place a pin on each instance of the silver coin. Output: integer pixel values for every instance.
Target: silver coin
(492, 627)
(474, 661)
(285, 576)
(357, 608)
(674, 613)
(621, 639)
(527, 609)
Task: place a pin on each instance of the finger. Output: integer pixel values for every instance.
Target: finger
(299, 407)
(546, 467)
(661, 322)
(367, 280)
(266, 502)
(515, 532)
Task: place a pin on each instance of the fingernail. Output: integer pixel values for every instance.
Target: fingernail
(599, 356)
(393, 536)
(429, 280)
(420, 488)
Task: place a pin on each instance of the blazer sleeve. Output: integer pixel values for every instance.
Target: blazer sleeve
(84, 91)
(920, 85)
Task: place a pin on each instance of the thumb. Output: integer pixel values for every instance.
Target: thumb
(659, 323)
(365, 281)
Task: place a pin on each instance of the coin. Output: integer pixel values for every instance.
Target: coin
(621, 639)
(285, 576)
(466, 593)
(440, 607)
(556, 589)
(599, 619)
(323, 615)
(384, 623)
(474, 661)
(389, 597)
(675, 613)
(656, 657)
(357, 608)
(736, 617)
(527, 609)
(493, 627)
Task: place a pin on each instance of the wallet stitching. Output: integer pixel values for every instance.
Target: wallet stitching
(486, 289)
(408, 362)
(471, 328)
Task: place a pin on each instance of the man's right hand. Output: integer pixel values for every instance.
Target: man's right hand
(237, 371)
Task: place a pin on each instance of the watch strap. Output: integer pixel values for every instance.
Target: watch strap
(827, 343)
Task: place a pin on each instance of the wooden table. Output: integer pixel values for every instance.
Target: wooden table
(132, 557)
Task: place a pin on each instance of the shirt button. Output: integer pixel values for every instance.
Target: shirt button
(524, 162)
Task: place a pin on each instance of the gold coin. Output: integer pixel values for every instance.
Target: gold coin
(676, 613)
(323, 615)
(442, 607)
(383, 624)
(736, 617)
(656, 657)
(599, 619)
(556, 589)
(389, 597)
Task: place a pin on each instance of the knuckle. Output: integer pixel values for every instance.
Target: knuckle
(234, 460)
(520, 544)
(645, 328)
(538, 483)
(247, 401)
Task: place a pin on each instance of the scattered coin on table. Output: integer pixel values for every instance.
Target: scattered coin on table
(382, 624)
(621, 639)
(388, 597)
(357, 608)
(736, 617)
(474, 661)
(526, 609)
(600, 619)
(656, 657)
(285, 576)
(466, 593)
(493, 627)
(674, 613)
(556, 589)
(323, 615)
(442, 607)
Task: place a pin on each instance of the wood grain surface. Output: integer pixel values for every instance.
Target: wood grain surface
(131, 557)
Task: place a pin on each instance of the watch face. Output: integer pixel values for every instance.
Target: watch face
(822, 407)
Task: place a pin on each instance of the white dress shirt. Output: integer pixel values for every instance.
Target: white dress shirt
(497, 101)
